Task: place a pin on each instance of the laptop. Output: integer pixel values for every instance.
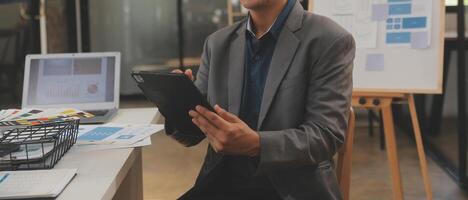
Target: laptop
(85, 81)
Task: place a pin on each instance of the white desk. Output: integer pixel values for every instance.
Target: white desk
(108, 174)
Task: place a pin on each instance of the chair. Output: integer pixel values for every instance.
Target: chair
(345, 157)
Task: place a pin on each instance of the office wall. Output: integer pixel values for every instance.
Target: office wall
(150, 33)
(9, 15)
(145, 31)
(140, 30)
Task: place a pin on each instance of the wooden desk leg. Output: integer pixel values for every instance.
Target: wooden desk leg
(420, 147)
(137, 171)
(392, 152)
(132, 186)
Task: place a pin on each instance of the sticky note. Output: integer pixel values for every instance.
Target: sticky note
(414, 22)
(399, 9)
(398, 38)
(420, 40)
(375, 62)
(379, 12)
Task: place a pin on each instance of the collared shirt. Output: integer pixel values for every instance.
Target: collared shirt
(258, 55)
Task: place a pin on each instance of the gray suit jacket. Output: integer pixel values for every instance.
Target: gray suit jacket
(305, 104)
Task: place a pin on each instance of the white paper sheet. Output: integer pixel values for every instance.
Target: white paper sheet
(95, 147)
(357, 19)
(35, 183)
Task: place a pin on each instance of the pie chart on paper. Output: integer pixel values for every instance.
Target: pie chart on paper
(92, 88)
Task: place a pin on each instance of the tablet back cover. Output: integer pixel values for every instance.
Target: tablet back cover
(174, 95)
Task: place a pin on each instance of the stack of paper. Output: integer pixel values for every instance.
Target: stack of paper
(110, 136)
(34, 184)
(28, 117)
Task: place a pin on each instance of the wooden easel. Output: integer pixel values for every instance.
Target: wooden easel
(383, 101)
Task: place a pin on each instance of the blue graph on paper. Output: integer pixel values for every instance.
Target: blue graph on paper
(99, 133)
(408, 23)
(125, 137)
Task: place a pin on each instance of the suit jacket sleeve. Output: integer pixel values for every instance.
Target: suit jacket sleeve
(325, 121)
(202, 84)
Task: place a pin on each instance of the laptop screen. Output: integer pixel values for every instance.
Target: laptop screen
(71, 80)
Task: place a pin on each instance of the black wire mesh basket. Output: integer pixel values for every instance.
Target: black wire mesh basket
(38, 146)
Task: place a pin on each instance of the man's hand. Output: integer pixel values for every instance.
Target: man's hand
(226, 132)
(187, 72)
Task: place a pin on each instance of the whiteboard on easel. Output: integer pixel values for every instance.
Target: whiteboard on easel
(399, 42)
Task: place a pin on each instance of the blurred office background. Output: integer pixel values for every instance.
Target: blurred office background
(156, 34)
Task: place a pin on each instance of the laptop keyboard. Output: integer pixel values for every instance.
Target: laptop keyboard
(98, 112)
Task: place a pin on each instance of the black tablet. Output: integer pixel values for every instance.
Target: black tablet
(174, 95)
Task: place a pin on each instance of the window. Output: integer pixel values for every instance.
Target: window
(454, 2)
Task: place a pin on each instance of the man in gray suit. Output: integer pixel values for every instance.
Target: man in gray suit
(281, 81)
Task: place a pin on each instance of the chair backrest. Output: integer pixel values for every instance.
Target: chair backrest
(345, 157)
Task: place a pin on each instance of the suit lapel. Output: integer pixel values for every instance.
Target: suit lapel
(283, 55)
(236, 70)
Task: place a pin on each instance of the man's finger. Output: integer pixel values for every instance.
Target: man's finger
(215, 119)
(204, 123)
(189, 73)
(193, 113)
(177, 71)
(194, 120)
(210, 137)
(226, 115)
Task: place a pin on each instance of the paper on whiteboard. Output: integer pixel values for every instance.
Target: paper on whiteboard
(375, 62)
(379, 12)
(343, 7)
(359, 23)
(364, 29)
(409, 24)
(365, 32)
(345, 21)
(420, 40)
